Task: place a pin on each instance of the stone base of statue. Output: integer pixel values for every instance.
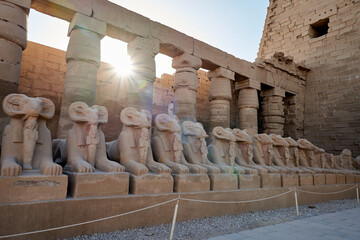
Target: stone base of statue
(319, 179)
(191, 182)
(151, 184)
(97, 184)
(306, 180)
(350, 178)
(31, 185)
(330, 179)
(357, 178)
(249, 181)
(289, 180)
(340, 179)
(270, 180)
(223, 181)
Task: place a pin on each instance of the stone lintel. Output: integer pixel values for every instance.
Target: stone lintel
(82, 21)
(22, 3)
(221, 72)
(272, 92)
(143, 44)
(247, 83)
(186, 60)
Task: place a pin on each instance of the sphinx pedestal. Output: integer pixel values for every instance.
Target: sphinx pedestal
(350, 178)
(319, 179)
(289, 180)
(191, 182)
(357, 178)
(223, 181)
(97, 184)
(31, 185)
(249, 181)
(306, 180)
(151, 184)
(270, 180)
(340, 179)
(330, 179)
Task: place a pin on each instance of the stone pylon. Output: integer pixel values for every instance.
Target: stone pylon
(186, 85)
(83, 61)
(141, 82)
(220, 96)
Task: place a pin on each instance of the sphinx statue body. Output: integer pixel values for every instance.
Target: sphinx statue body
(133, 150)
(282, 153)
(168, 149)
(26, 141)
(294, 157)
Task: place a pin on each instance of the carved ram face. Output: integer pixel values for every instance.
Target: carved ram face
(19, 105)
(80, 112)
(193, 129)
(278, 140)
(263, 138)
(291, 142)
(241, 136)
(305, 144)
(131, 117)
(221, 133)
(164, 122)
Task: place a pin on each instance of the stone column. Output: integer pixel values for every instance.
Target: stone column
(219, 96)
(248, 105)
(83, 61)
(273, 110)
(13, 40)
(141, 83)
(186, 84)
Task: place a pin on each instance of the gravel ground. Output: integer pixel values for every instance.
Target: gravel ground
(215, 226)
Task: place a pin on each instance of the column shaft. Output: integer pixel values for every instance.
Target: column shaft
(186, 85)
(273, 111)
(248, 105)
(83, 61)
(220, 95)
(141, 83)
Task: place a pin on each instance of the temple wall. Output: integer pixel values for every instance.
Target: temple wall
(332, 100)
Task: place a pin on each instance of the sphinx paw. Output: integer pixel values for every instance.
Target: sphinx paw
(110, 166)
(10, 169)
(84, 167)
(51, 168)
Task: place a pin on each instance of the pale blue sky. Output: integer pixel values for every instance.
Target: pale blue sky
(234, 26)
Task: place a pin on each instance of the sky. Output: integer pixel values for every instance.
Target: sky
(234, 26)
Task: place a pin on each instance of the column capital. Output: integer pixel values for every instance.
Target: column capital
(82, 21)
(21, 3)
(247, 83)
(140, 44)
(221, 72)
(273, 92)
(186, 60)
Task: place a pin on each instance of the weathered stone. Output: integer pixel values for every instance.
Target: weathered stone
(247, 83)
(221, 73)
(151, 184)
(290, 180)
(219, 113)
(22, 3)
(220, 89)
(350, 178)
(330, 179)
(340, 179)
(223, 181)
(248, 104)
(186, 60)
(82, 21)
(306, 180)
(211, 54)
(249, 181)
(79, 6)
(97, 184)
(270, 180)
(319, 179)
(191, 183)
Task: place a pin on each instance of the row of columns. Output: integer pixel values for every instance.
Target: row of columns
(83, 62)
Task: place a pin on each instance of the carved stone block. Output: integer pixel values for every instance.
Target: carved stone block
(350, 178)
(151, 184)
(306, 180)
(357, 179)
(330, 179)
(290, 180)
(319, 179)
(270, 180)
(223, 181)
(340, 179)
(98, 184)
(191, 182)
(31, 185)
(249, 181)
